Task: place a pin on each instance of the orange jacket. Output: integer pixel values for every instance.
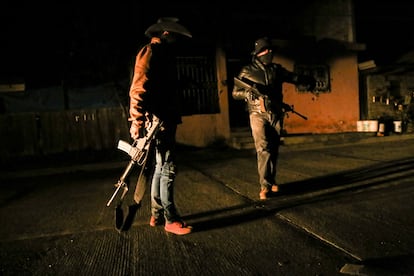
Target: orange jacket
(154, 86)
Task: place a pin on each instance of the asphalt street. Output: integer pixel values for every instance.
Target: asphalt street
(344, 208)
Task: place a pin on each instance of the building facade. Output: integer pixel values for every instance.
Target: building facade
(316, 37)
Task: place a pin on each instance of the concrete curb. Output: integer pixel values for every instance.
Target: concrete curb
(344, 139)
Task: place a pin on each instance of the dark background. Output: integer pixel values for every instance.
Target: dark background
(385, 27)
(42, 43)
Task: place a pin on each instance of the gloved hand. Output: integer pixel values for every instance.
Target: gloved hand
(287, 107)
(308, 81)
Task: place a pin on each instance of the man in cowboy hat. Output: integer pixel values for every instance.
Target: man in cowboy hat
(153, 91)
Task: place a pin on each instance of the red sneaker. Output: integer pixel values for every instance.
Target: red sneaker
(178, 228)
(155, 221)
(275, 188)
(263, 193)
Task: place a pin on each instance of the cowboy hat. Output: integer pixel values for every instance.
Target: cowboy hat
(169, 24)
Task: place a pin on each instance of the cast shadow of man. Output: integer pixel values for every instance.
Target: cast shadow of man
(304, 192)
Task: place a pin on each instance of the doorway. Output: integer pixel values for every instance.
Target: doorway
(238, 115)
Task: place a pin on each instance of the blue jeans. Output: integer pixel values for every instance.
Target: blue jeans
(162, 184)
(266, 128)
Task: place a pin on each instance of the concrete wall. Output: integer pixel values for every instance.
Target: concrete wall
(328, 112)
(338, 109)
(203, 130)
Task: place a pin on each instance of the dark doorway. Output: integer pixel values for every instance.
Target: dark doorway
(238, 114)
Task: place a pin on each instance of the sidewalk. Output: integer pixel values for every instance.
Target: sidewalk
(340, 139)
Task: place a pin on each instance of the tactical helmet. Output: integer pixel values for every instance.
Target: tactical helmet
(169, 24)
(261, 44)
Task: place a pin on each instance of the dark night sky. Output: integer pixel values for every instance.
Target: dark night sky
(385, 27)
(37, 40)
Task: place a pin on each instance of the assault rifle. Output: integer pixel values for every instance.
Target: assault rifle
(253, 88)
(138, 151)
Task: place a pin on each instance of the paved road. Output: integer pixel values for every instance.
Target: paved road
(344, 209)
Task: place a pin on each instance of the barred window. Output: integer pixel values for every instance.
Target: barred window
(198, 79)
(320, 72)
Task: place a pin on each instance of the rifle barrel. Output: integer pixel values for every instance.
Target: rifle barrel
(300, 115)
